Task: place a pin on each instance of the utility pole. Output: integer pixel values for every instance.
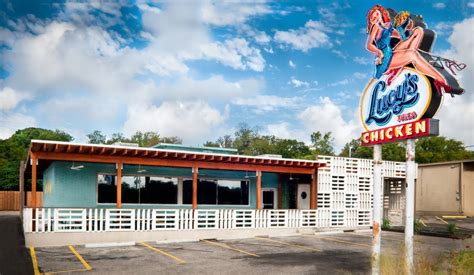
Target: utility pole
(377, 211)
(409, 204)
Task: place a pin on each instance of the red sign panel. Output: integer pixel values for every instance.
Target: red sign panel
(415, 129)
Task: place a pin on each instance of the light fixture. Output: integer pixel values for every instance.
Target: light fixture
(77, 168)
(140, 170)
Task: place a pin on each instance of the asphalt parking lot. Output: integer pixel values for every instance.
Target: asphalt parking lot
(335, 253)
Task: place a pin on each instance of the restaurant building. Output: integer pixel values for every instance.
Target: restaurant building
(124, 193)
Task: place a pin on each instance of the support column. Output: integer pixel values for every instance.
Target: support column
(119, 166)
(409, 204)
(180, 190)
(259, 189)
(280, 192)
(22, 187)
(377, 211)
(313, 203)
(34, 162)
(195, 187)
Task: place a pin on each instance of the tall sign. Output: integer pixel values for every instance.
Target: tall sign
(401, 100)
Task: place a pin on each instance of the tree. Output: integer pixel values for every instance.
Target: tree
(96, 137)
(437, 149)
(322, 144)
(15, 149)
(357, 151)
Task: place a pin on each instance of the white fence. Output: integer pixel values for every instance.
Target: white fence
(107, 220)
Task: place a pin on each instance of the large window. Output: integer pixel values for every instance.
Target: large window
(218, 192)
(138, 189)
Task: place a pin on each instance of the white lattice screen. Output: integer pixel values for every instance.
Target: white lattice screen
(345, 189)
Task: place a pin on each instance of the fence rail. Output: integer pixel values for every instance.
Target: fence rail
(107, 220)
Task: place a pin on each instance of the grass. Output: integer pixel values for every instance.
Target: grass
(386, 224)
(459, 262)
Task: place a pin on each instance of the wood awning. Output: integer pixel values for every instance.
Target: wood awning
(69, 151)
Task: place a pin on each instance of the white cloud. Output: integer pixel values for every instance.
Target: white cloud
(266, 103)
(312, 35)
(443, 28)
(222, 13)
(359, 75)
(362, 60)
(298, 83)
(457, 114)
(191, 120)
(470, 4)
(10, 122)
(340, 54)
(9, 98)
(262, 38)
(293, 65)
(326, 116)
(439, 5)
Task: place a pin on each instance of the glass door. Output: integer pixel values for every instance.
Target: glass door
(268, 198)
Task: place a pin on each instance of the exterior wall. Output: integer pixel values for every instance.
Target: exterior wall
(71, 188)
(437, 189)
(468, 189)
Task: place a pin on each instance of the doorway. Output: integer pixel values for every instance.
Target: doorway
(269, 198)
(303, 196)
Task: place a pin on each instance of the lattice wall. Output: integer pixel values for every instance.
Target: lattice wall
(345, 189)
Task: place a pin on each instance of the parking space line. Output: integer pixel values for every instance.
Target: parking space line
(84, 263)
(289, 244)
(340, 241)
(67, 271)
(370, 236)
(34, 260)
(230, 247)
(164, 253)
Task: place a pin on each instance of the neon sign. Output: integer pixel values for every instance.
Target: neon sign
(409, 82)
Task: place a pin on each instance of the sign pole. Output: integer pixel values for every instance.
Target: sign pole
(409, 204)
(377, 213)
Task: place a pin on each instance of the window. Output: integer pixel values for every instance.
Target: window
(233, 192)
(138, 189)
(217, 192)
(107, 189)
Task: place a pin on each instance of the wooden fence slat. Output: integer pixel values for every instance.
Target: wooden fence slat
(10, 200)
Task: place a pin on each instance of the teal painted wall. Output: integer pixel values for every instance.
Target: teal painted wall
(70, 188)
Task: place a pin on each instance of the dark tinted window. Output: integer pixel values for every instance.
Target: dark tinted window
(159, 190)
(131, 187)
(233, 192)
(207, 191)
(107, 189)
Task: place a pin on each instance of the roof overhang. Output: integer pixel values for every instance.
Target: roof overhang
(69, 151)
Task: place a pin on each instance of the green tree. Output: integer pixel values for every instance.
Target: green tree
(322, 144)
(15, 149)
(437, 149)
(96, 137)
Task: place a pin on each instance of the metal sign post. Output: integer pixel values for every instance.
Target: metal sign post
(377, 214)
(409, 204)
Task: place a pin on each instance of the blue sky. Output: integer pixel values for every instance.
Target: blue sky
(198, 69)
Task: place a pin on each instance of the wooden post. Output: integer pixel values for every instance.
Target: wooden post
(259, 189)
(33, 180)
(313, 203)
(280, 192)
(119, 183)
(195, 187)
(22, 187)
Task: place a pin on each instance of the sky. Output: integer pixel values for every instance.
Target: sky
(197, 69)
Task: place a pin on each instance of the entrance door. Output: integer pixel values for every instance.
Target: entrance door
(303, 196)
(269, 198)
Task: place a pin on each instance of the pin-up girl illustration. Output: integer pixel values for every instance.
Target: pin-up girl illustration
(392, 61)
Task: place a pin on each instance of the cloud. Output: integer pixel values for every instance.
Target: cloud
(339, 54)
(359, 75)
(457, 114)
(10, 122)
(224, 13)
(293, 65)
(191, 120)
(9, 98)
(267, 103)
(443, 28)
(298, 83)
(262, 38)
(362, 60)
(470, 4)
(439, 5)
(326, 116)
(312, 35)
